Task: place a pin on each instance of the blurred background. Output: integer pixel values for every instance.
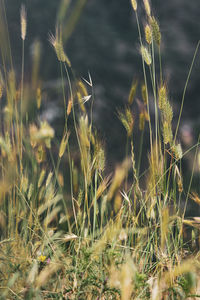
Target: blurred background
(101, 38)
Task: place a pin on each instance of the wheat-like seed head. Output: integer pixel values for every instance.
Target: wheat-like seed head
(1, 91)
(177, 150)
(146, 55)
(162, 98)
(155, 30)
(147, 7)
(132, 92)
(69, 107)
(56, 42)
(167, 133)
(148, 34)
(23, 22)
(144, 93)
(134, 4)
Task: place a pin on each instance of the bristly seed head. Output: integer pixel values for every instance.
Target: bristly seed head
(147, 7)
(146, 55)
(162, 96)
(23, 22)
(148, 34)
(134, 4)
(56, 42)
(155, 31)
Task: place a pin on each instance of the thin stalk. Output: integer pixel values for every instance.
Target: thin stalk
(154, 94)
(140, 152)
(175, 161)
(21, 106)
(145, 81)
(160, 64)
(78, 140)
(185, 88)
(95, 202)
(68, 149)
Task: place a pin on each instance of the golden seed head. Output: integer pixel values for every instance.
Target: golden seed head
(155, 31)
(144, 93)
(127, 120)
(1, 91)
(134, 4)
(168, 112)
(56, 42)
(146, 55)
(147, 7)
(38, 97)
(177, 150)
(141, 121)
(82, 88)
(69, 107)
(132, 92)
(162, 99)
(148, 34)
(63, 144)
(167, 132)
(23, 22)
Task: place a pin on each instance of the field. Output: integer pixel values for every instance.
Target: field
(69, 229)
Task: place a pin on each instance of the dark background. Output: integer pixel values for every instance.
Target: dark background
(105, 43)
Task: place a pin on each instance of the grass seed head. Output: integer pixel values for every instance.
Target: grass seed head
(177, 150)
(162, 98)
(132, 92)
(127, 120)
(146, 55)
(38, 97)
(23, 22)
(167, 133)
(69, 107)
(148, 34)
(63, 144)
(134, 4)
(147, 7)
(155, 31)
(56, 42)
(144, 93)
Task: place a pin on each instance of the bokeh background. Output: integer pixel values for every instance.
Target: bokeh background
(101, 37)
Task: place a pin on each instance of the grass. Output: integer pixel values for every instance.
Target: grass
(77, 232)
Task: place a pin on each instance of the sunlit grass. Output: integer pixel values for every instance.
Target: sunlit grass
(75, 232)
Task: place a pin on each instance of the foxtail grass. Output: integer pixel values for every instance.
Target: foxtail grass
(68, 228)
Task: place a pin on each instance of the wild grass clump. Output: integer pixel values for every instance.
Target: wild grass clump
(80, 233)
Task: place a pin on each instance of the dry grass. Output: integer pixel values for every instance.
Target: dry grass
(98, 236)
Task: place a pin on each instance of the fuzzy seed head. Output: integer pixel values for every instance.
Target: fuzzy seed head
(177, 150)
(147, 7)
(134, 4)
(144, 93)
(1, 91)
(127, 120)
(63, 144)
(155, 31)
(148, 34)
(82, 88)
(162, 96)
(38, 97)
(57, 44)
(69, 107)
(167, 133)
(168, 112)
(146, 55)
(132, 92)
(23, 22)
(141, 121)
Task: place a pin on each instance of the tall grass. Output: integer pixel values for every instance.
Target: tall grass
(77, 232)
